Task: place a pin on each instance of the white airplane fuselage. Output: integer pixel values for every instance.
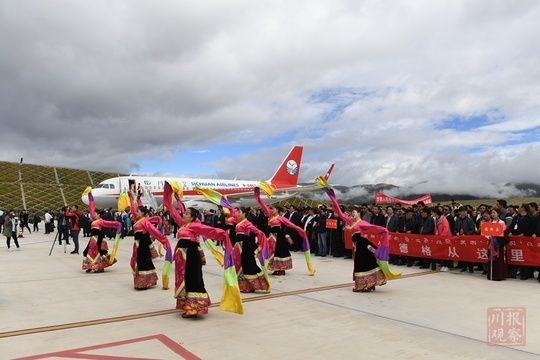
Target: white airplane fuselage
(107, 192)
(285, 180)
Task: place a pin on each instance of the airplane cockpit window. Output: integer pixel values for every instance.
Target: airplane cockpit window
(105, 186)
(111, 186)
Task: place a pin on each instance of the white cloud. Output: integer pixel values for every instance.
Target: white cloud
(364, 84)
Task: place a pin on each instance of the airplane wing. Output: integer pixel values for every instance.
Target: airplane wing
(251, 202)
(282, 193)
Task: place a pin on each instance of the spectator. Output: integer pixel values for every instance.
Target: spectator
(427, 227)
(522, 226)
(322, 238)
(36, 220)
(73, 216)
(23, 220)
(49, 225)
(409, 226)
(464, 225)
(442, 228)
(63, 226)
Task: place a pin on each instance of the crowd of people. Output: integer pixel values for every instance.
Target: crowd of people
(268, 234)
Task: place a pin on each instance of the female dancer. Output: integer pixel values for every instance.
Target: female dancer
(96, 256)
(370, 264)
(280, 258)
(144, 271)
(250, 277)
(190, 293)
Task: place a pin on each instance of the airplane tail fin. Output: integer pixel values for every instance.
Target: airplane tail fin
(287, 173)
(329, 172)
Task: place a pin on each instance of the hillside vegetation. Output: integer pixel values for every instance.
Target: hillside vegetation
(37, 188)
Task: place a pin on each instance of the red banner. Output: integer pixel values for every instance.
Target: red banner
(521, 250)
(331, 223)
(492, 229)
(381, 198)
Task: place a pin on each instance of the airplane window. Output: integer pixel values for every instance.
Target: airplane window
(99, 186)
(105, 186)
(111, 186)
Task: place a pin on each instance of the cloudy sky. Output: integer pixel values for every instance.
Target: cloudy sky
(428, 95)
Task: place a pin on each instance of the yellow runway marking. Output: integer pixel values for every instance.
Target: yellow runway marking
(173, 311)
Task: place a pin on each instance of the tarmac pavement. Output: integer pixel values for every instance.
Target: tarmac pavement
(51, 309)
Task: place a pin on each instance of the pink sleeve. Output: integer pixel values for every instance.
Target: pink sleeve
(255, 229)
(208, 231)
(364, 225)
(337, 210)
(109, 224)
(91, 205)
(167, 202)
(283, 220)
(263, 206)
(151, 229)
(156, 220)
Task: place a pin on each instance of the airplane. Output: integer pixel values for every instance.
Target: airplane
(285, 180)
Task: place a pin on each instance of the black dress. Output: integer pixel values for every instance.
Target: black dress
(282, 256)
(367, 273)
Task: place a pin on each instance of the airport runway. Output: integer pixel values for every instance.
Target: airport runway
(51, 309)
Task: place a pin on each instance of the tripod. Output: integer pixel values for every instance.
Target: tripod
(57, 236)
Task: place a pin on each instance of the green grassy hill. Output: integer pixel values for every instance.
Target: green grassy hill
(37, 188)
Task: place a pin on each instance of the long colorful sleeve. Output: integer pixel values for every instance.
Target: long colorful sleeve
(209, 232)
(132, 208)
(91, 205)
(214, 197)
(167, 202)
(321, 181)
(230, 300)
(110, 224)
(175, 213)
(266, 210)
(382, 254)
(149, 227)
(123, 201)
(156, 220)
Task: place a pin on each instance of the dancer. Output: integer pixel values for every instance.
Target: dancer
(95, 256)
(143, 269)
(370, 262)
(190, 292)
(280, 256)
(250, 277)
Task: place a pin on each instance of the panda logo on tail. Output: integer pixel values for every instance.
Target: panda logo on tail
(292, 167)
